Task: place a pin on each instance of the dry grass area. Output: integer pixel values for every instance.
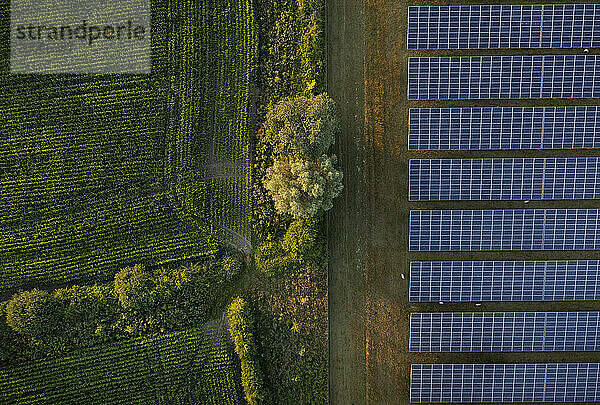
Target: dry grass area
(368, 228)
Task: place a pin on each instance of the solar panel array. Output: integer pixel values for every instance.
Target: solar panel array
(496, 26)
(504, 26)
(504, 77)
(542, 229)
(504, 179)
(504, 128)
(476, 383)
(505, 281)
(504, 331)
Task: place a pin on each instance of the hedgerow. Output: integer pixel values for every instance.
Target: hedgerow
(241, 328)
(139, 302)
(311, 45)
(290, 305)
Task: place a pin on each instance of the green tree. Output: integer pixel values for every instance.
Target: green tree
(34, 312)
(302, 125)
(302, 187)
(133, 287)
(270, 258)
(301, 240)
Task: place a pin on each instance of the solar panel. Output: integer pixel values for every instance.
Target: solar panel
(504, 179)
(504, 26)
(469, 383)
(505, 281)
(504, 128)
(468, 230)
(504, 331)
(504, 77)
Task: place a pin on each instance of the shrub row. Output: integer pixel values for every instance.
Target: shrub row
(241, 328)
(137, 303)
(311, 45)
(292, 56)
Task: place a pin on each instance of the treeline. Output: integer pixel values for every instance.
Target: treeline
(294, 183)
(295, 180)
(139, 302)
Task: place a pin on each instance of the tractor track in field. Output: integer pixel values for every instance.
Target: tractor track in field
(213, 170)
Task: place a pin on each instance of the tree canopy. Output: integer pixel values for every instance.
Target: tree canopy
(301, 186)
(33, 313)
(302, 125)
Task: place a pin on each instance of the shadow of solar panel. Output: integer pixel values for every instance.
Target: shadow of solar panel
(505, 281)
(572, 127)
(504, 26)
(477, 383)
(504, 331)
(469, 230)
(504, 77)
(504, 179)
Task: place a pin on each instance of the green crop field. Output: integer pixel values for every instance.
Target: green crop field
(195, 367)
(102, 171)
(212, 57)
(81, 182)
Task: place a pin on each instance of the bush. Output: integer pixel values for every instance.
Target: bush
(302, 125)
(241, 326)
(230, 267)
(89, 312)
(34, 313)
(133, 286)
(300, 244)
(301, 240)
(303, 187)
(270, 258)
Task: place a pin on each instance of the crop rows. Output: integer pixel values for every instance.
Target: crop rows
(96, 241)
(194, 366)
(213, 57)
(90, 163)
(223, 200)
(81, 181)
(62, 142)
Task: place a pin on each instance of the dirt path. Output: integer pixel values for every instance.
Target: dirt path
(233, 238)
(347, 226)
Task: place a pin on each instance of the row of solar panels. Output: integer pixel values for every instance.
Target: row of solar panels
(504, 128)
(504, 26)
(504, 331)
(504, 77)
(471, 230)
(504, 179)
(469, 281)
(479, 383)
